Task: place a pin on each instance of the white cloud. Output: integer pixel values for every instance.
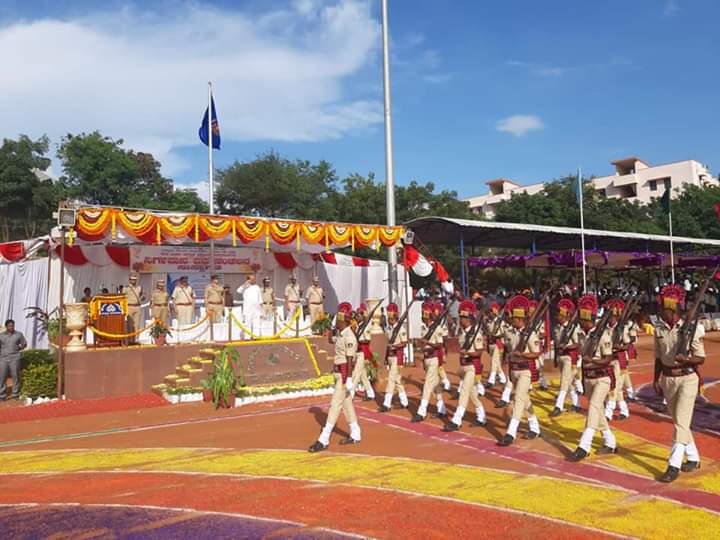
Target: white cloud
(201, 188)
(520, 124)
(542, 70)
(279, 75)
(671, 7)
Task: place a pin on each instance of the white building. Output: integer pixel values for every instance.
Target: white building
(634, 180)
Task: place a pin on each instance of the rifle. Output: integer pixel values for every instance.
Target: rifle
(472, 334)
(537, 317)
(566, 334)
(687, 331)
(593, 340)
(400, 322)
(437, 322)
(628, 310)
(364, 324)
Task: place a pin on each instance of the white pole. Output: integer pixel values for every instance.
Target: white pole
(582, 230)
(672, 255)
(211, 186)
(389, 174)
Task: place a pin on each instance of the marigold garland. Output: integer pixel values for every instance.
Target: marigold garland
(282, 231)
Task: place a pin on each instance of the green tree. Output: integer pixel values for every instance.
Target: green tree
(27, 197)
(693, 212)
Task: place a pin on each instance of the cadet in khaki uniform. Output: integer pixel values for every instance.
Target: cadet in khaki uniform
(627, 385)
(470, 365)
(680, 380)
(135, 297)
(394, 359)
(599, 382)
(159, 302)
(431, 348)
(345, 351)
(315, 297)
(268, 299)
(544, 347)
(567, 355)
(214, 299)
(619, 361)
(495, 347)
(522, 370)
(438, 309)
(292, 297)
(183, 298)
(359, 374)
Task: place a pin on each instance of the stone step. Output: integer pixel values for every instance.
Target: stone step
(170, 379)
(158, 389)
(183, 381)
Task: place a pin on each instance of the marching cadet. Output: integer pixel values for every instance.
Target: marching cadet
(293, 294)
(135, 297)
(627, 385)
(619, 361)
(214, 299)
(430, 348)
(394, 359)
(183, 298)
(438, 309)
(495, 346)
(522, 370)
(544, 347)
(471, 346)
(268, 298)
(345, 351)
(159, 302)
(599, 381)
(567, 339)
(314, 297)
(680, 380)
(364, 355)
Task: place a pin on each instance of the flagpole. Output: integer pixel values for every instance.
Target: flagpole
(211, 185)
(672, 255)
(389, 174)
(582, 229)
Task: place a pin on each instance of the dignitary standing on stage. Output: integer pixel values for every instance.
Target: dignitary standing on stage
(268, 298)
(183, 298)
(432, 346)
(567, 341)
(523, 346)
(315, 296)
(135, 298)
(397, 340)
(293, 294)
(251, 299)
(597, 353)
(159, 303)
(472, 343)
(680, 379)
(345, 351)
(214, 299)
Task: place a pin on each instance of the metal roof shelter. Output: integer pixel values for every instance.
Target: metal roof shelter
(535, 238)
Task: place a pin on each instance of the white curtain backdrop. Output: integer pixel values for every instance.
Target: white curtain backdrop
(24, 285)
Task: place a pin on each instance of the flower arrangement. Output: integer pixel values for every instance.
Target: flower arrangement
(223, 382)
(322, 325)
(159, 329)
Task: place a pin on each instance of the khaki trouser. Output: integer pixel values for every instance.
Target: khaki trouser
(268, 310)
(316, 310)
(341, 399)
(680, 393)
(394, 376)
(432, 380)
(567, 373)
(522, 404)
(215, 312)
(441, 373)
(496, 354)
(467, 388)
(626, 381)
(617, 394)
(160, 313)
(359, 373)
(133, 322)
(598, 389)
(185, 314)
(290, 311)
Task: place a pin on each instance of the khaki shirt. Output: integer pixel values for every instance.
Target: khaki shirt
(573, 338)
(314, 295)
(437, 336)
(666, 340)
(478, 343)
(512, 340)
(159, 298)
(292, 293)
(183, 295)
(604, 347)
(625, 337)
(401, 335)
(214, 294)
(345, 346)
(134, 295)
(268, 296)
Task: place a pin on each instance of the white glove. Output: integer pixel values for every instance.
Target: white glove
(349, 384)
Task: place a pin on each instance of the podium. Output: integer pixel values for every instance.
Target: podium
(108, 313)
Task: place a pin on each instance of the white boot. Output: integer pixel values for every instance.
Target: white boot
(324, 437)
(446, 385)
(480, 414)
(624, 411)
(609, 439)
(676, 455)
(491, 379)
(533, 424)
(458, 416)
(480, 388)
(586, 439)
(609, 409)
(387, 402)
(441, 410)
(560, 401)
(574, 399)
(692, 452)
(355, 431)
(512, 428)
(501, 378)
(422, 410)
(578, 386)
(403, 399)
(506, 394)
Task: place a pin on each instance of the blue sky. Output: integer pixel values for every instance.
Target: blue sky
(519, 89)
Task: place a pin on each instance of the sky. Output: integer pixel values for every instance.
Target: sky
(524, 90)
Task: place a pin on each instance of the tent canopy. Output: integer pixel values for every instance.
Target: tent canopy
(521, 236)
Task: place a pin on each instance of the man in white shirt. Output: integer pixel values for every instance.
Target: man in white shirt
(252, 299)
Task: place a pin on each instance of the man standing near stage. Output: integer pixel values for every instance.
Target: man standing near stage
(252, 299)
(159, 303)
(345, 351)
(135, 297)
(214, 299)
(314, 298)
(11, 344)
(268, 298)
(293, 293)
(183, 298)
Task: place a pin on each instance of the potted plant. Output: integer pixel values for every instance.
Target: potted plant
(159, 332)
(206, 390)
(49, 323)
(223, 382)
(322, 325)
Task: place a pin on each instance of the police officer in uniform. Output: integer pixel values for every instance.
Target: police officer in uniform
(214, 299)
(599, 382)
(315, 297)
(364, 354)
(395, 359)
(431, 348)
(345, 351)
(676, 378)
(268, 298)
(470, 366)
(495, 346)
(567, 355)
(135, 297)
(183, 298)
(619, 362)
(159, 302)
(293, 294)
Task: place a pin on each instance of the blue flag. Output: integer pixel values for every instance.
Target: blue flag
(203, 131)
